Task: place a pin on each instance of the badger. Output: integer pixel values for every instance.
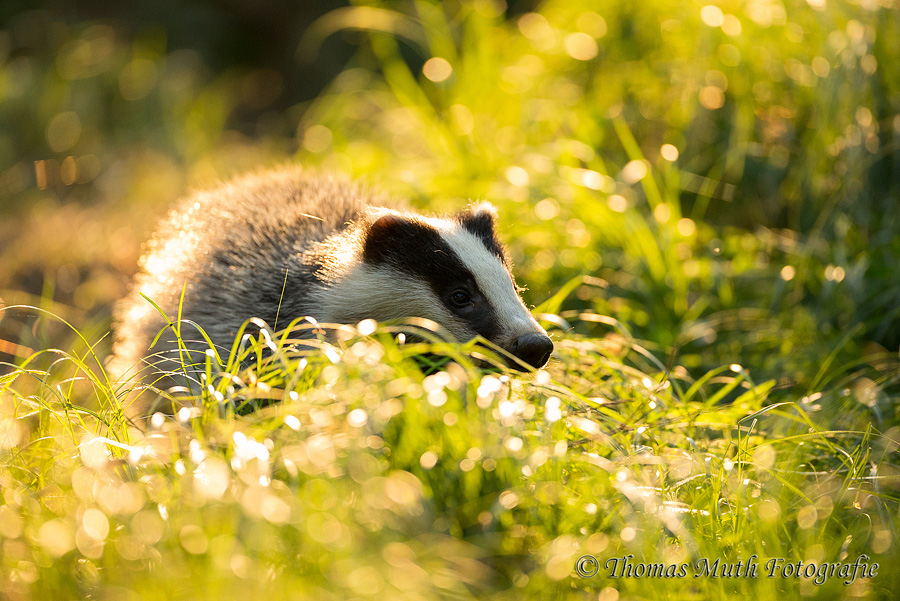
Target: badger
(285, 244)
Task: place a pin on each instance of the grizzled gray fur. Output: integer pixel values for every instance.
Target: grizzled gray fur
(294, 244)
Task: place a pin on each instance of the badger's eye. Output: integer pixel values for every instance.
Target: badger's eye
(460, 298)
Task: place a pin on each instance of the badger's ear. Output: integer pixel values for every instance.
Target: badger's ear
(390, 236)
(479, 219)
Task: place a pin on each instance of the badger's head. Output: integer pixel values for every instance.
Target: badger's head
(453, 271)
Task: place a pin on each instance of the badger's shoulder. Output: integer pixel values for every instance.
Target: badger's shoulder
(250, 224)
(271, 208)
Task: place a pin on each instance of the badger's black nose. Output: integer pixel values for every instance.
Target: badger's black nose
(534, 349)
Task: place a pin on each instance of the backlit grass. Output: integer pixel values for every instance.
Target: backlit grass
(373, 480)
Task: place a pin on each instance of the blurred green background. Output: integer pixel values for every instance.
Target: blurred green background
(726, 173)
(109, 111)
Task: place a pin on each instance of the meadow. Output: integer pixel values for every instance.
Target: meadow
(703, 201)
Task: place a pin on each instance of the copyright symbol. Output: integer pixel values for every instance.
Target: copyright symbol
(587, 566)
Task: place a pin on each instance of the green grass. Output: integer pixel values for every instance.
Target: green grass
(704, 212)
(370, 479)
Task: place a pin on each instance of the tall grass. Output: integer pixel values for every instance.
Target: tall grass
(371, 479)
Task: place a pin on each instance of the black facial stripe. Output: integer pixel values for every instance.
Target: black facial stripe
(418, 249)
(481, 225)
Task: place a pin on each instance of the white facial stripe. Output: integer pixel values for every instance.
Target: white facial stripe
(383, 293)
(492, 278)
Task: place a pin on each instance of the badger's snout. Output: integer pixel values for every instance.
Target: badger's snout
(533, 348)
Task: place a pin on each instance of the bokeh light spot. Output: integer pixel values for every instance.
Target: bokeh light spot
(592, 24)
(634, 171)
(317, 138)
(686, 227)
(63, 131)
(712, 98)
(581, 46)
(617, 203)
(669, 152)
(712, 15)
(437, 69)
(517, 176)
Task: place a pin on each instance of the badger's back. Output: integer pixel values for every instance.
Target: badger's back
(237, 252)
